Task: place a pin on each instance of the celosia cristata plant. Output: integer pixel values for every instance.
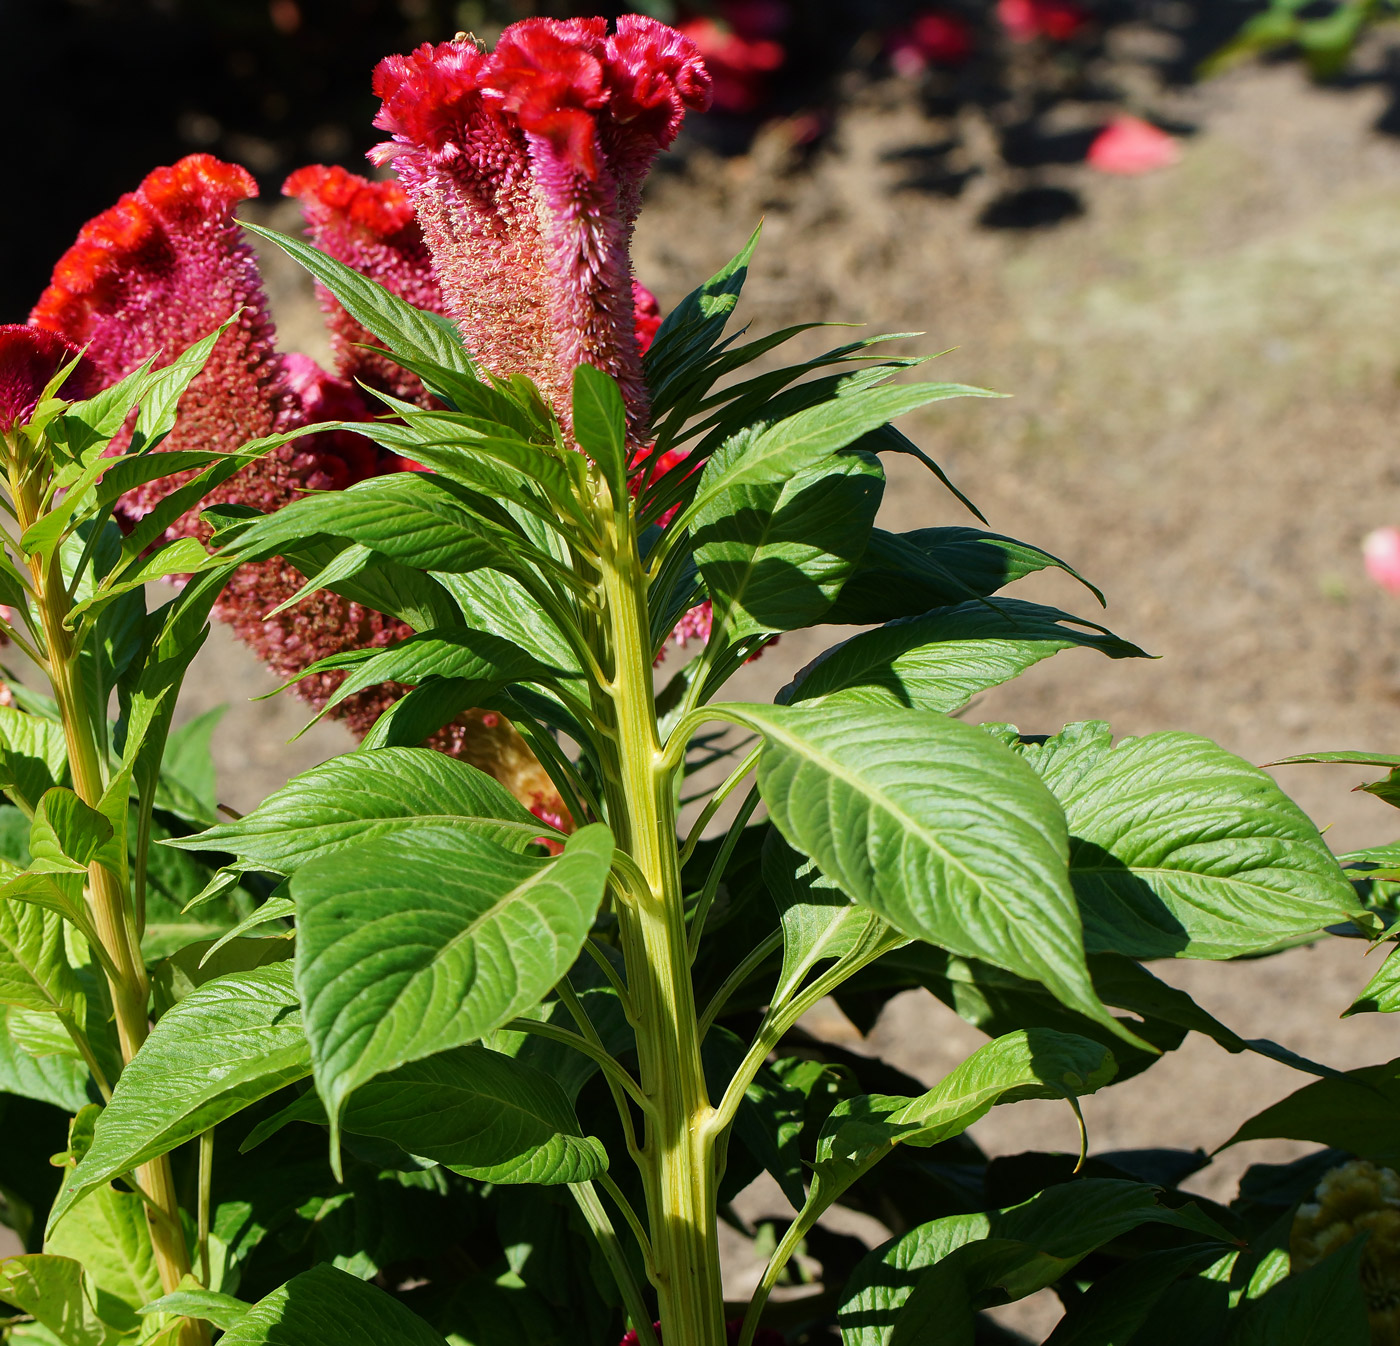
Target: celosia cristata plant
(402, 1057)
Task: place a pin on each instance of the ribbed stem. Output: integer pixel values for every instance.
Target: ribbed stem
(112, 915)
(677, 1158)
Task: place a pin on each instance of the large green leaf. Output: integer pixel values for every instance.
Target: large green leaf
(34, 970)
(801, 441)
(472, 1110)
(227, 1044)
(1359, 1112)
(913, 816)
(774, 554)
(1181, 848)
(59, 1080)
(107, 1232)
(904, 574)
(33, 756)
(942, 659)
(360, 796)
(324, 1306)
(412, 944)
(54, 1291)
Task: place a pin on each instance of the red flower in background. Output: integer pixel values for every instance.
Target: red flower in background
(1129, 145)
(763, 1337)
(741, 53)
(1026, 20)
(936, 37)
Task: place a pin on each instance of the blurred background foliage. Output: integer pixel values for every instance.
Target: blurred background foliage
(107, 89)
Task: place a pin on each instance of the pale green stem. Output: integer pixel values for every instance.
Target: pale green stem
(708, 893)
(755, 960)
(717, 799)
(610, 1067)
(634, 1302)
(206, 1183)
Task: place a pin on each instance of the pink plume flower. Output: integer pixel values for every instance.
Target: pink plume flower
(1026, 20)
(29, 358)
(370, 227)
(1129, 145)
(526, 167)
(1381, 552)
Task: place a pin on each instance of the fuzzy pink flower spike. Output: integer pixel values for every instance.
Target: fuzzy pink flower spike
(526, 167)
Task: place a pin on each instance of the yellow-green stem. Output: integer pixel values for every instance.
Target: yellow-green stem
(678, 1161)
(112, 915)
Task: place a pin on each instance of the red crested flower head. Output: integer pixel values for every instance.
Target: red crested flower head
(371, 228)
(646, 316)
(936, 37)
(29, 358)
(526, 166)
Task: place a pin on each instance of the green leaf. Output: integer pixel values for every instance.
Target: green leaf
(181, 556)
(905, 574)
(107, 1232)
(54, 1291)
(1382, 993)
(67, 834)
(325, 1305)
(774, 554)
(33, 756)
(915, 818)
(34, 969)
(600, 426)
(406, 516)
(488, 662)
(189, 758)
(179, 973)
(1322, 1306)
(224, 1311)
(941, 660)
(1180, 848)
(1359, 1112)
(805, 439)
(412, 944)
(479, 1113)
(399, 325)
(225, 1045)
(360, 796)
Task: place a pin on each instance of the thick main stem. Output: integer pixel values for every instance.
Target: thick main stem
(112, 915)
(677, 1154)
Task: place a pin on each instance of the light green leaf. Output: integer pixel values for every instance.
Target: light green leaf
(59, 1080)
(225, 1045)
(274, 909)
(941, 660)
(34, 970)
(189, 759)
(66, 834)
(360, 796)
(1322, 1306)
(224, 1311)
(600, 426)
(1382, 993)
(107, 1232)
(405, 516)
(182, 556)
(54, 1290)
(774, 554)
(1180, 848)
(913, 817)
(324, 1306)
(415, 943)
(472, 1110)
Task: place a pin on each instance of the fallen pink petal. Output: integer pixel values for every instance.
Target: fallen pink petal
(1128, 146)
(1381, 553)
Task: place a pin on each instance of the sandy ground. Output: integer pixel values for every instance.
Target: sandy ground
(1206, 370)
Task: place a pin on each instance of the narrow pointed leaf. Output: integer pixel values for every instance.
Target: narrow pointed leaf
(600, 425)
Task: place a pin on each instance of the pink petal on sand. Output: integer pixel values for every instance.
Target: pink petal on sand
(1130, 145)
(1381, 550)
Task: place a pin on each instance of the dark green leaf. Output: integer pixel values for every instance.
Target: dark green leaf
(1322, 1306)
(224, 1311)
